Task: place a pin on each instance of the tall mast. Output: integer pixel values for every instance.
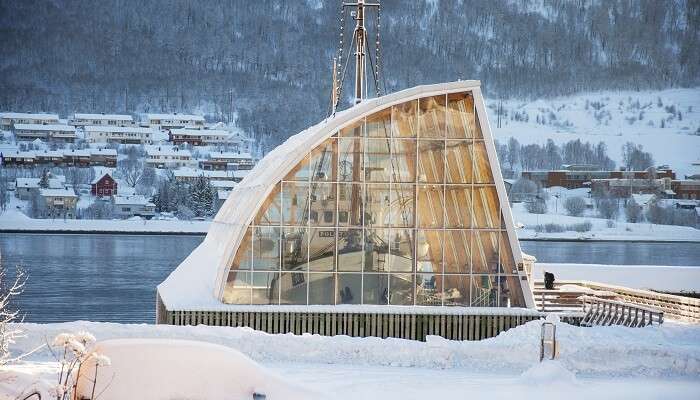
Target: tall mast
(360, 62)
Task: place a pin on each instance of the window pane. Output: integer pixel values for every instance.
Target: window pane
(377, 160)
(295, 196)
(295, 248)
(355, 129)
(456, 291)
(486, 207)
(375, 289)
(349, 289)
(431, 161)
(300, 172)
(429, 250)
(265, 287)
(457, 252)
(401, 250)
(432, 117)
(350, 254)
(430, 206)
(324, 161)
(402, 205)
(482, 168)
(403, 168)
(484, 292)
(350, 160)
(405, 119)
(321, 288)
(350, 204)
(376, 250)
(428, 290)
(401, 289)
(323, 203)
(377, 205)
(460, 116)
(511, 293)
(293, 288)
(266, 251)
(506, 255)
(322, 249)
(379, 124)
(485, 252)
(459, 162)
(237, 290)
(244, 254)
(458, 206)
(270, 211)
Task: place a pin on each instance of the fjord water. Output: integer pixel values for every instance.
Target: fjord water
(113, 278)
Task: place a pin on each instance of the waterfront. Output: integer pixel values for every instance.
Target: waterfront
(113, 277)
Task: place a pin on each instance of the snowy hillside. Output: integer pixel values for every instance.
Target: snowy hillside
(665, 122)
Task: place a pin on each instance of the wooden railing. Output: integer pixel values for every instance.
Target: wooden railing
(673, 306)
(599, 311)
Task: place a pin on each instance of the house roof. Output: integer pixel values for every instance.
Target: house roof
(176, 117)
(202, 132)
(47, 127)
(16, 115)
(118, 117)
(167, 151)
(117, 129)
(99, 177)
(57, 192)
(134, 200)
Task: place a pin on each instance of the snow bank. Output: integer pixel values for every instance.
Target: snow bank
(660, 351)
(660, 278)
(166, 369)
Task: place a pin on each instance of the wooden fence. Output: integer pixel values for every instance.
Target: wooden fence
(610, 312)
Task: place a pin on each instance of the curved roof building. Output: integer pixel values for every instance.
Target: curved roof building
(397, 201)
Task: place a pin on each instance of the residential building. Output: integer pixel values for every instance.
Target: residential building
(49, 157)
(233, 160)
(202, 137)
(575, 179)
(167, 157)
(190, 174)
(624, 187)
(118, 134)
(9, 119)
(686, 189)
(103, 185)
(103, 157)
(45, 132)
(356, 211)
(24, 187)
(101, 120)
(58, 203)
(133, 206)
(18, 158)
(77, 158)
(174, 121)
(223, 185)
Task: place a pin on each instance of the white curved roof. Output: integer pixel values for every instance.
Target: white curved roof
(198, 282)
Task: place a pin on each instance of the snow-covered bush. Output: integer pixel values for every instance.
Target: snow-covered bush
(76, 350)
(575, 206)
(8, 314)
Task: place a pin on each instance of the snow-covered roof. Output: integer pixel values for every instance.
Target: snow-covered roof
(33, 183)
(103, 152)
(134, 200)
(117, 129)
(57, 192)
(23, 154)
(193, 173)
(201, 132)
(223, 184)
(98, 177)
(230, 156)
(117, 117)
(49, 153)
(198, 281)
(222, 194)
(45, 127)
(159, 151)
(15, 115)
(642, 199)
(175, 117)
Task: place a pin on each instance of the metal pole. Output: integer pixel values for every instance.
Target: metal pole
(360, 52)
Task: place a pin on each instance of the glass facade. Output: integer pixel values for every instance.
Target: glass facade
(398, 208)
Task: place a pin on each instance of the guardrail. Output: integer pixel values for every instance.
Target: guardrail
(611, 312)
(673, 306)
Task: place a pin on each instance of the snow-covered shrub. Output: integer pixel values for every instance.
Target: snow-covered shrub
(8, 314)
(537, 206)
(575, 206)
(76, 350)
(633, 212)
(585, 226)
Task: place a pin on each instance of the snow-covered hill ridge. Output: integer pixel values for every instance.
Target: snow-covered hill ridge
(665, 122)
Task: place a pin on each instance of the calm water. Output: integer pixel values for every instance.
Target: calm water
(113, 277)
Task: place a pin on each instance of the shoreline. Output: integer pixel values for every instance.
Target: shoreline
(203, 233)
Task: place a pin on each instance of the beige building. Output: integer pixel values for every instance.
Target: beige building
(58, 203)
(102, 120)
(7, 120)
(167, 157)
(118, 134)
(175, 121)
(46, 132)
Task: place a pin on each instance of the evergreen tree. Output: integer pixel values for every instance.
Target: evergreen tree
(44, 181)
(201, 197)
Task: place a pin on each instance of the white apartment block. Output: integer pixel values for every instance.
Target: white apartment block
(167, 157)
(175, 121)
(9, 119)
(101, 120)
(47, 132)
(118, 134)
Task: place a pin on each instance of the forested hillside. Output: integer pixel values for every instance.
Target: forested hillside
(269, 60)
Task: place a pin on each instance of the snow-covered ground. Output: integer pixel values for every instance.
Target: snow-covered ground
(613, 118)
(614, 362)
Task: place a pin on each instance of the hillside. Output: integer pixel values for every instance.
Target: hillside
(259, 61)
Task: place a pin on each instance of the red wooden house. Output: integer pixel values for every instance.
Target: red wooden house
(104, 185)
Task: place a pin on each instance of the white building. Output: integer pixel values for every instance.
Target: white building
(204, 137)
(132, 206)
(167, 157)
(190, 174)
(58, 203)
(7, 120)
(48, 132)
(118, 134)
(101, 120)
(175, 121)
(25, 186)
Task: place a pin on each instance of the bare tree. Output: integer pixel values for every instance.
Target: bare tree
(575, 206)
(8, 314)
(131, 169)
(633, 212)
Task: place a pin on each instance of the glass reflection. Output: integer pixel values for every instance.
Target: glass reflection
(378, 163)
(461, 122)
(293, 287)
(431, 206)
(375, 289)
(428, 289)
(349, 290)
(432, 117)
(429, 251)
(321, 288)
(401, 250)
(484, 291)
(401, 293)
(265, 288)
(405, 119)
(456, 290)
(459, 162)
(431, 161)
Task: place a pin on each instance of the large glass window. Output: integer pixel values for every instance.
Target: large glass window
(400, 207)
